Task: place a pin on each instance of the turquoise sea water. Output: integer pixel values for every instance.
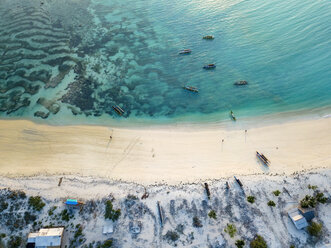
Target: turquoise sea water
(67, 61)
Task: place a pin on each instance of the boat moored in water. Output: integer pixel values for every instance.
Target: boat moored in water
(118, 110)
(232, 116)
(208, 37)
(209, 66)
(185, 51)
(239, 83)
(191, 88)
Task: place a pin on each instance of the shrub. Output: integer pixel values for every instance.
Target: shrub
(197, 222)
(14, 242)
(3, 206)
(65, 215)
(313, 187)
(308, 201)
(230, 229)
(315, 229)
(258, 242)
(320, 198)
(212, 214)
(292, 246)
(276, 192)
(251, 199)
(271, 203)
(29, 217)
(79, 231)
(240, 243)
(51, 210)
(36, 203)
(110, 212)
(107, 244)
(171, 235)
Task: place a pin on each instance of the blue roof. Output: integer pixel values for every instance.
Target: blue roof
(71, 202)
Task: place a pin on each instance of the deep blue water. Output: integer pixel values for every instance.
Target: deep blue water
(71, 61)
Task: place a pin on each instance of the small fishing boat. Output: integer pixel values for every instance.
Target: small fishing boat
(118, 110)
(239, 83)
(209, 66)
(208, 37)
(232, 116)
(185, 51)
(263, 158)
(191, 88)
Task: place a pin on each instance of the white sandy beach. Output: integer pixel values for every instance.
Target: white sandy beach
(163, 154)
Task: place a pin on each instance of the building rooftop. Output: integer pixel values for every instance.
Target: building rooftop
(51, 231)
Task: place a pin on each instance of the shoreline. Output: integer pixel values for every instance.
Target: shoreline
(213, 120)
(171, 154)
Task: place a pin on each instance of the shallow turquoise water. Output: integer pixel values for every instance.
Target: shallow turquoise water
(71, 61)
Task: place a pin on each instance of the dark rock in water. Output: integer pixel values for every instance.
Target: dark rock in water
(80, 94)
(50, 105)
(41, 114)
(55, 81)
(241, 83)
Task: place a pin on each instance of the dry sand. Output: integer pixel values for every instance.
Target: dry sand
(163, 154)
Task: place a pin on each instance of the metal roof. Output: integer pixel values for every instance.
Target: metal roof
(47, 237)
(298, 220)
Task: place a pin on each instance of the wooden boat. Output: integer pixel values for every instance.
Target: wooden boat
(209, 66)
(239, 83)
(208, 37)
(191, 88)
(227, 186)
(118, 110)
(185, 51)
(232, 116)
(238, 181)
(263, 158)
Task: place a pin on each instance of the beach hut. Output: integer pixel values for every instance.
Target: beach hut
(46, 238)
(298, 219)
(308, 213)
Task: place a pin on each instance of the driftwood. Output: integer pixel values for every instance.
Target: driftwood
(60, 181)
(145, 195)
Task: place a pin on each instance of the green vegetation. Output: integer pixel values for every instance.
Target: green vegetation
(212, 214)
(65, 215)
(320, 198)
(197, 222)
(14, 242)
(107, 244)
(258, 242)
(29, 217)
(308, 201)
(292, 246)
(315, 229)
(3, 206)
(51, 210)
(110, 212)
(79, 231)
(36, 203)
(276, 192)
(271, 203)
(251, 199)
(171, 236)
(240, 243)
(230, 229)
(313, 187)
